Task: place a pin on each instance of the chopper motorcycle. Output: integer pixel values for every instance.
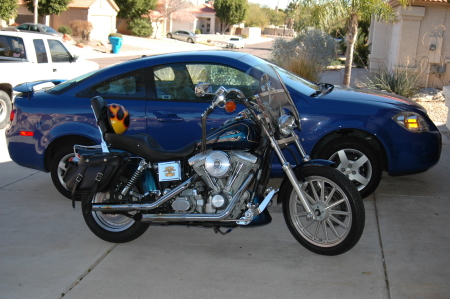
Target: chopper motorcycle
(129, 182)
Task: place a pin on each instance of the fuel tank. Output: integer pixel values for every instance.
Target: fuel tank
(237, 135)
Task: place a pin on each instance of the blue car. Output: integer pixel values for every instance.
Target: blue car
(364, 132)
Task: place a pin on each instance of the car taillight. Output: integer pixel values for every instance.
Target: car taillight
(12, 114)
(27, 133)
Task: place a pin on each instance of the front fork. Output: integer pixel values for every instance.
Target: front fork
(287, 166)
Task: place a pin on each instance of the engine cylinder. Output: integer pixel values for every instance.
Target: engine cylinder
(218, 164)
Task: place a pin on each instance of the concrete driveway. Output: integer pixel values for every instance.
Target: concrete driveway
(47, 251)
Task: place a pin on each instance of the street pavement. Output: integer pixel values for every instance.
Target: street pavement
(47, 251)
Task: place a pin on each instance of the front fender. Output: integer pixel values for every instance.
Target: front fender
(297, 170)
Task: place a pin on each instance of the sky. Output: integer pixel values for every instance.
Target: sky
(272, 3)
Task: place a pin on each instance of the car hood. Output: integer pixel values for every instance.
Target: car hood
(361, 95)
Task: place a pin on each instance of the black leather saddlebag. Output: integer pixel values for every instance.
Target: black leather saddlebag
(94, 173)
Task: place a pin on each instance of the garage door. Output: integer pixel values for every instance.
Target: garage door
(102, 27)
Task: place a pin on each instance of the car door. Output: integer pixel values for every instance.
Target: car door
(182, 35)
(129, 90)
(174, 112)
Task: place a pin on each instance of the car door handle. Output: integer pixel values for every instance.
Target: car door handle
(170, 119)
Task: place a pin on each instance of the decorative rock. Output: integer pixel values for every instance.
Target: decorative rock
(428, 95)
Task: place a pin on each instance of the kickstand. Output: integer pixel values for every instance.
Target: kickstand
(217, 230)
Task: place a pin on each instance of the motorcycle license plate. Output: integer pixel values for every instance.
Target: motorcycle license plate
(169, 171)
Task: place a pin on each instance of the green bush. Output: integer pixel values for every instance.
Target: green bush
(198, 31)
(140, 27)
(401, 80)
(65, 30)
(115, 35)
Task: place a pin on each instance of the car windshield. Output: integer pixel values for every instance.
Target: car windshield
(298, 83)
(63, 87)
(234, 39)
(48, 29)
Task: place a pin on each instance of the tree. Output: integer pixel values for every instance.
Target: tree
(134, 9)
(8, 9)
(256, 16)
(168, 7)
(230, 12)
(325, 12)
(48, 7)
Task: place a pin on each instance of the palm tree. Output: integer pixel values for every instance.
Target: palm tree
(352, 11)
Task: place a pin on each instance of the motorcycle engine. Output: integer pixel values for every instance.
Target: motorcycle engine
(223, 173)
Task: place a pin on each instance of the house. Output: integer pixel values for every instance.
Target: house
(420, 37)
(101, 13)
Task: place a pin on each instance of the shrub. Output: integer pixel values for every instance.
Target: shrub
(243, 35)
(198, 31)
(65, 30)
(115, 35)
(81, 28)
(401, 80)
(305, 55)
(140, 27)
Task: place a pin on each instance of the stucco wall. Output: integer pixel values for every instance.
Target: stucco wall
(408, 41)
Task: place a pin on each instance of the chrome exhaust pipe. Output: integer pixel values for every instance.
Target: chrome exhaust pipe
(200, 217)
(148, 206)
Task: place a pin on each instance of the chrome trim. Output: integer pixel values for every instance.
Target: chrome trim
(200, 217)
(150, 206)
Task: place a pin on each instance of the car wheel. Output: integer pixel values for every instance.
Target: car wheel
(356, 160)
(169, 35)
(190, 40)
(5, 109)
(58, 168)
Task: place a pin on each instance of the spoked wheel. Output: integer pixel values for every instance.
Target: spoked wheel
(337, 206)
(115, 228)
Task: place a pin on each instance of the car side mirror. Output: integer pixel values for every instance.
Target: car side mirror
(75, 57)
(202, 89)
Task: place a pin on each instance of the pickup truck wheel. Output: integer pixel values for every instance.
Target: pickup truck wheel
(5, 109)
(58, 168)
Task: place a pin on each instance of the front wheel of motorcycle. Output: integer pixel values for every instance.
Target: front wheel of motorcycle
(336, 204)
(114, 228)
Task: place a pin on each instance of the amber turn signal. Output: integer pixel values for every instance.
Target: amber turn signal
(230, 106)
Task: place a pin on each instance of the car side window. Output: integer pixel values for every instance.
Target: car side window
(23, 27)
(34, 28)
(41, 52)
(58, 52)
(128, 85)
(11, 46)
(220, 75)
(173, 82)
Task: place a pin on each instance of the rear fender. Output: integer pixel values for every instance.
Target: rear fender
(297, 170)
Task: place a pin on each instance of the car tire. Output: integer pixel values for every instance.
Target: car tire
(58, 168)
(190, 40)
(355, 159)
(169, 35)
(5, 109)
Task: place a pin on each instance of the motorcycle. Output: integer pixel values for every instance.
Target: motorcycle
(129, 182)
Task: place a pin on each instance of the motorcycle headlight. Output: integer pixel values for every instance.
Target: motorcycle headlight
(411, 121)
(286, 124)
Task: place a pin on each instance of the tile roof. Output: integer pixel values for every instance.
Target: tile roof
(202, 8)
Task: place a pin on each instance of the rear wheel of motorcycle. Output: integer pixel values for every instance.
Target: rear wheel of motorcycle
(115, 228)
(338, 208)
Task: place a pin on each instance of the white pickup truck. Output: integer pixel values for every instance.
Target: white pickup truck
(27, 57)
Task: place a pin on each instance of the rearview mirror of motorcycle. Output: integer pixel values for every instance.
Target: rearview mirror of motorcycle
(202, 89)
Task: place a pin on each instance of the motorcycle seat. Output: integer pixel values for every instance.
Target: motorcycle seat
(146, 147)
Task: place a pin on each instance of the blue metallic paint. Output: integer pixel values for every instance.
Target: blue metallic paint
(342, 110)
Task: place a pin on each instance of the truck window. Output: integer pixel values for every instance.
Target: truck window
(58, 52)
(41, 53)
(12, 47)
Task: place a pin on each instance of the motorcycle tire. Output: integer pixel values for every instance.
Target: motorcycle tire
(337, 205)
(114, 228)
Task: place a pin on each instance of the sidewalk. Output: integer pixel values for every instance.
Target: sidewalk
(133, 45)
(47, 251)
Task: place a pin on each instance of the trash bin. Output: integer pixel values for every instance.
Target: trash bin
(116, 43)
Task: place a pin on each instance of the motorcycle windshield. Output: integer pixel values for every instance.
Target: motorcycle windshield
(271, 95)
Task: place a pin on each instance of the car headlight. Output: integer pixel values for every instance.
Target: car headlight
(411, 121)
(286, 124)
